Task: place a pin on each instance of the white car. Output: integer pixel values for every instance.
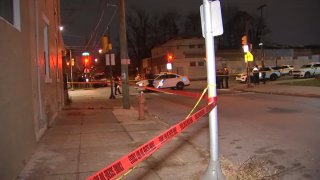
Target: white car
(307, 71)
(271, 74)
(166, 80)
(286, 69)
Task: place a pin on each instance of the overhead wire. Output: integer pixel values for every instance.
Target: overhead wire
(106, 28)
(101, 12)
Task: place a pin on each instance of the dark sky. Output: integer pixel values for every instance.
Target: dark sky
(292, 22)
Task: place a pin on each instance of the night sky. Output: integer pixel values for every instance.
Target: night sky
(292, 22)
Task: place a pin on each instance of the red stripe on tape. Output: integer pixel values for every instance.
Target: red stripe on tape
(128, 161)
(212, 99)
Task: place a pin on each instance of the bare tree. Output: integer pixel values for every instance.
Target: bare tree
(168, 25)
(146, 31)
(192, 25)
(138, 24)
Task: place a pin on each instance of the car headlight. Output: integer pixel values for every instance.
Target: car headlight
(140, 84)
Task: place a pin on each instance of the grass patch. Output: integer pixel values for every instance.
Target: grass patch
(308, 82)
(253, 168)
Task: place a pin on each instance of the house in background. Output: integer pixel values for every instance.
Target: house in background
(31, 78)
(189, 58)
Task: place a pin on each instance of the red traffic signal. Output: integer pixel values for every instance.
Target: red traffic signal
(170, 57)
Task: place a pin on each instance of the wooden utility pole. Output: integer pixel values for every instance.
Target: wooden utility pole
(125, 61)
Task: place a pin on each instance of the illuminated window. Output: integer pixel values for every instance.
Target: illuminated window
(10, 12)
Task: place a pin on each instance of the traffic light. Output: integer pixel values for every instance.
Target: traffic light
(244, 40)
(72, 62)
(86, 58)
(170, 57)
(105, 44)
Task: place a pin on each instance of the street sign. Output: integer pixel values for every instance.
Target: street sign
(169, 66)
(85, 54)
(215, 17)
(108, 57)
(248, 57)
(125, 61)
(86, 70)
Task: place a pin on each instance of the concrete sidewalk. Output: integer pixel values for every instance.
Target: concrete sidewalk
(94, 131)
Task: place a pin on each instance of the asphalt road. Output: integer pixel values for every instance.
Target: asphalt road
(282, 130)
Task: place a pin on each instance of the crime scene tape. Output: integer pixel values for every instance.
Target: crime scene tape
(182, 93)
(128, 161)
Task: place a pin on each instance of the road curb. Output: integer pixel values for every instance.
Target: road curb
(279, 93)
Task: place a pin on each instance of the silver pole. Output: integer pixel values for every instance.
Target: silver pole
(213, 171)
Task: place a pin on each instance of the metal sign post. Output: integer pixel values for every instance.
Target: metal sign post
(212, 26)
(110, 61)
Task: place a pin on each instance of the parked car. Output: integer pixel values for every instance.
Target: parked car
(100, 80)
(166, 80)
(271, 74)
(307, 71)
(286, 69)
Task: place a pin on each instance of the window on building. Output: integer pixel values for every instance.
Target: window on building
(46, 49)
(200, 45)
(10, 11)
(191, 46)
(180, 70)
(200, 63)
(192, 63)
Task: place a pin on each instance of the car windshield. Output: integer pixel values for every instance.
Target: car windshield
(305, 66)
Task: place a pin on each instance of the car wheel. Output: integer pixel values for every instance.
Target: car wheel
(307, 75)
(180, 85)
(273, 77)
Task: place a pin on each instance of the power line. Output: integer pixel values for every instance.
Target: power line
(106, 29)
(93, 33)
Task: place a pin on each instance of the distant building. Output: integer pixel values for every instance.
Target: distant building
(31, 78)
(189, 58)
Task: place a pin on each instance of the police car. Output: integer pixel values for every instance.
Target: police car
(165, 80)
(271, 74)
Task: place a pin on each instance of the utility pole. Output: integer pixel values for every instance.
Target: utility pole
(125, 61)
(260, 33)
(211, 20)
